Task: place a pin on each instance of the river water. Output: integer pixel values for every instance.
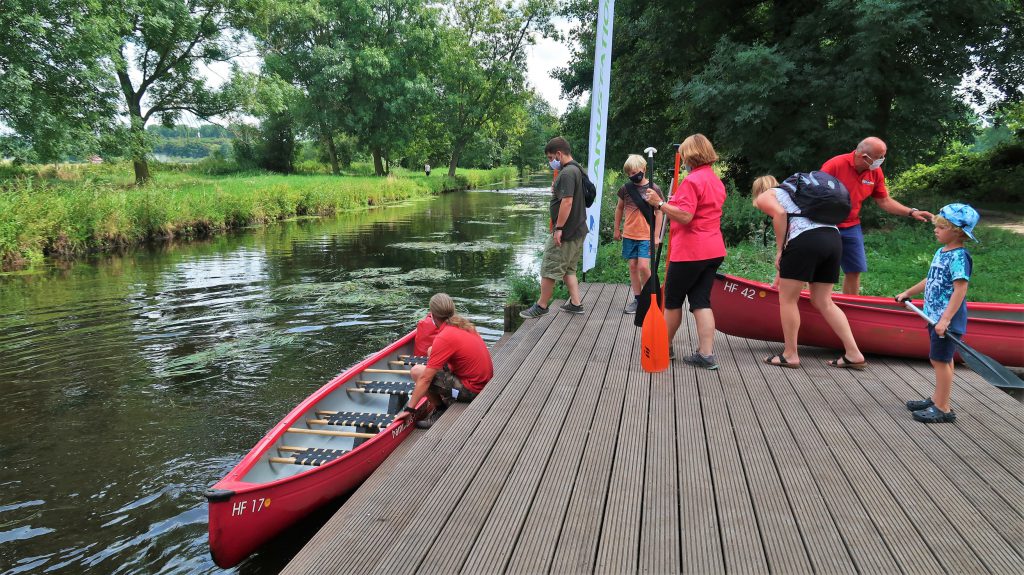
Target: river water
(131, 383)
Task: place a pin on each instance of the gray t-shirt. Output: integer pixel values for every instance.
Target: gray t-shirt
(569, 184)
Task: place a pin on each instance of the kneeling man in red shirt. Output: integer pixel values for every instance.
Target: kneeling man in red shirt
(458, 365)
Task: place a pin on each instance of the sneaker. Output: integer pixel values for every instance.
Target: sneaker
(630, 307)
(572, 308)
(705, 361)
(919, 404)
(430, 420)
(533, 311)
(935, 415)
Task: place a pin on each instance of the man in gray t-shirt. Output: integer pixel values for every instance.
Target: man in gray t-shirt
(568, 211)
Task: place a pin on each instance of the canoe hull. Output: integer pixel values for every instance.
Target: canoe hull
(244, 515)
(749, 309)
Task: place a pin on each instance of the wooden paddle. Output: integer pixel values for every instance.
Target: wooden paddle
(991, 370)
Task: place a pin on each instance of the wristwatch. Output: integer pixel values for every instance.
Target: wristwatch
(910, 214)
(559, 228)
(661, 203)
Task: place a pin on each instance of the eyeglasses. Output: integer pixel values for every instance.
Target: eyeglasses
(873, 160)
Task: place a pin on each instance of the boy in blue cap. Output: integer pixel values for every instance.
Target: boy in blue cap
(945, 302)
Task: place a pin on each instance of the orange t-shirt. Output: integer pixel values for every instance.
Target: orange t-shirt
(635, 226)
(861, 185)
(465, 354)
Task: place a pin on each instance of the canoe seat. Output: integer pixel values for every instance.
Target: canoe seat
(356, 419)
(311, 456)
(410, 360)
(390, 387)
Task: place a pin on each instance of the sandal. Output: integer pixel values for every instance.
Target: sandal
(847, 364)
(782, 362)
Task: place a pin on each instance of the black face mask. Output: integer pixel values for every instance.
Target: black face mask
(637, 177)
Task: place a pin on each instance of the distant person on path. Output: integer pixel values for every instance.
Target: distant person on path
(568, 212)
(426, 169)
(458, 364)
(696, 246)
(809, 252)
(636, 234)
(945, 303)
(861, 172)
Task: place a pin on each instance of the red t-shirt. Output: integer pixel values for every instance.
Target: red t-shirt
(701, 194)
(861, 185)
(466, 355)
(426, 331)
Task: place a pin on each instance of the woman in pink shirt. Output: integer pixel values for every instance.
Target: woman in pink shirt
(696, 247)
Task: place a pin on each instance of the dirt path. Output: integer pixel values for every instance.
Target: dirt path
(1011, 222)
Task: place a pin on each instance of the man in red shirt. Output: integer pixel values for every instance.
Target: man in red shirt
(458, 365)
(861, 172)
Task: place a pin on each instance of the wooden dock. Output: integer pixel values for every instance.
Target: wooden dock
(573, 460)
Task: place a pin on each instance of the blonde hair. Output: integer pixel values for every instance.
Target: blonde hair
(762, 184)
(942, 222)
(442, 309)
(697, 150)
(634, 163)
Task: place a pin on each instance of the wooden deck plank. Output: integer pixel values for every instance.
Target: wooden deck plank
(659, 533)
(535, 547)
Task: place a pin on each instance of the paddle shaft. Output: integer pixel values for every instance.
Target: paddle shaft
(989, 369)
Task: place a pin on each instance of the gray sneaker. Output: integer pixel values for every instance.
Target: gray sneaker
(705, 361)
(572, 308)
(533, 311)
(630, 307)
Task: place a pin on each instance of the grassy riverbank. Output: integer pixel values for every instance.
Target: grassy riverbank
(69, 211)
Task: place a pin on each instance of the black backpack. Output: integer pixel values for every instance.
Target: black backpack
(820, 196)
(589, 189)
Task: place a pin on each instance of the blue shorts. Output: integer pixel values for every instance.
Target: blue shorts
(942, 348)
(854, 259)
(632, 249)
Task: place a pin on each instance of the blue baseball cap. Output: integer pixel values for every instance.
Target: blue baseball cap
(962, 216)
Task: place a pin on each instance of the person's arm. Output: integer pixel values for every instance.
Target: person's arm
(671, 212)
(959, 293)
(895, 208)
(769, 204)
(659, 221)
(911, 291)
(564, 209)
(618, 220)
(419, 391)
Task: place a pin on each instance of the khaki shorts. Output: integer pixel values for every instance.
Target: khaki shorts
(560, 261)
(445, 381)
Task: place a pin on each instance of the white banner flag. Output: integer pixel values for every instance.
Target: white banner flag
(596, 164)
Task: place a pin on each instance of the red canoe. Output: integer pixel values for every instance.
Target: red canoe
(323, 449)
(750, 309)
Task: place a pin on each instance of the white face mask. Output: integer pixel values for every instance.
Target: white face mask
(876, 164)
(555, 164)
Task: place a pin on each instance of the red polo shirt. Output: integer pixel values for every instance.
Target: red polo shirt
(861, 185)
(465, 353)
(701, 194)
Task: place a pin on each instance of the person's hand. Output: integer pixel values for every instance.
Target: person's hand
(652, 198)
(902, 297)
(557, 237)
(657, 240)
(408, 415)
(617, 235)
(923, 216)
(941, 326)
(778, 257)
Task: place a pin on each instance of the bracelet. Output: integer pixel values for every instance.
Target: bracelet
(559, 228)
(411, 410)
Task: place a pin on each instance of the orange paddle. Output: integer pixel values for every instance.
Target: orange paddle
(654, 340)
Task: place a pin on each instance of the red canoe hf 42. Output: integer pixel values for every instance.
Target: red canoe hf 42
(750, 309)
(324, 448)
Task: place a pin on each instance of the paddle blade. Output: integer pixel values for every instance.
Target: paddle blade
(989, 369)
(654, 340)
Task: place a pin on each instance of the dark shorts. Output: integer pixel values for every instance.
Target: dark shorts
(692, 281)
(942, 348)
(813, 256)
(449, 387)
(854, 259)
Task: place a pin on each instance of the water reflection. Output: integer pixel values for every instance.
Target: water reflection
(131, 383)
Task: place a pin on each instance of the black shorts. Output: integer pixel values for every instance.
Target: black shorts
(813, 257)
(692, 281)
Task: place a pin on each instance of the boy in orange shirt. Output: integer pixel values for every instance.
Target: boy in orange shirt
(636, 233)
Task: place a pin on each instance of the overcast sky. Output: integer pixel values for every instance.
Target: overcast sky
(541, 59)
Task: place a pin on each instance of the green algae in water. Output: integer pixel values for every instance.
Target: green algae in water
(445, 247)
(517, 208)
(201, 360)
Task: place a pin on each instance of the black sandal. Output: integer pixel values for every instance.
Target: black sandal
(782, 362)
(847, 364)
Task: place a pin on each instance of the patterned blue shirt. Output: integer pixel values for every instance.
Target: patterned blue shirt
(946, 267)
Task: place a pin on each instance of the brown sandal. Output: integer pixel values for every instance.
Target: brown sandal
(847, 364)
(782, 362)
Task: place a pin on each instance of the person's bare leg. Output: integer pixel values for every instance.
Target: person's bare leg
(634, 277)
(673, 319)
(643, 273)
(705, 320)
(547, 287)
(851, 283)
(789, 313)
(943, 384)
(821, 299)
(574, 289)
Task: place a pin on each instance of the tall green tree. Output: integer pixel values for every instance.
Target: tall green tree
(162, 45)
(483, 64)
